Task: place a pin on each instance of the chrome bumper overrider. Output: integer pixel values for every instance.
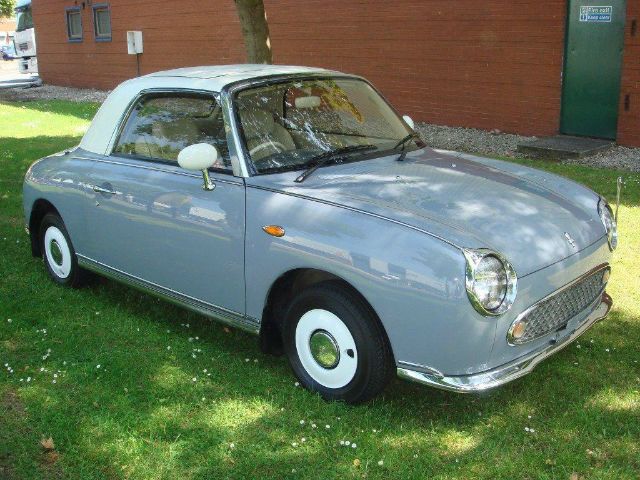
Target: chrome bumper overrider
(506, 373)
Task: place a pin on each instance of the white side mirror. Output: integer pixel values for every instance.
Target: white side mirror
(200, 156)
(409, 121)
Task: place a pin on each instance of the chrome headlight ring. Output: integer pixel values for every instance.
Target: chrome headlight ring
(474, 257)
(608, 221)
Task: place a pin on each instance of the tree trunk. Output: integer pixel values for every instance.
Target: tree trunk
(255, 30)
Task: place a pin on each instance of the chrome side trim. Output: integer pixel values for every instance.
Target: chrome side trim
(619, 183)
(421, 368)
(551, 295)
(215, 312)
(508, 372)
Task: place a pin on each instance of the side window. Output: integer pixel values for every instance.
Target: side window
(160, 125)
(74, 24)
(101, 22)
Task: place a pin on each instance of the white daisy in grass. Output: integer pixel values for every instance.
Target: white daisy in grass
(380, 463)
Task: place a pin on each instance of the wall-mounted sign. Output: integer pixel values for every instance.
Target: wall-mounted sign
(596, 14)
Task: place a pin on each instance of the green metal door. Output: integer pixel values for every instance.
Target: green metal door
(592, 68)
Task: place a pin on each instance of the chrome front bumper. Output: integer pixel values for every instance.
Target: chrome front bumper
(510, 371)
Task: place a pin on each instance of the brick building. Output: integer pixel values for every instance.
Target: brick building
(522, 66)
(7, 29)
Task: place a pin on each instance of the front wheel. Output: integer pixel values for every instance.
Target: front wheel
(336, 345)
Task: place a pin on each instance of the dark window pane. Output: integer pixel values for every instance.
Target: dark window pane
(161, 125)
(74, 22)
(25, 20)
(102, 21)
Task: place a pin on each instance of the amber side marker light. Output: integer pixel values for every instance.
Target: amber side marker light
(274, 230)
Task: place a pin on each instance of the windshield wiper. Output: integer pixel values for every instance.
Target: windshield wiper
(403, 142)
(325, 157)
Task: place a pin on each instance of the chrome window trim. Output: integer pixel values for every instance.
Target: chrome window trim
(528, 310)
(473, 256)
(221, 314)
(155, 168)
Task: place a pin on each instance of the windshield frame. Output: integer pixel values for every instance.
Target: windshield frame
(232, 90)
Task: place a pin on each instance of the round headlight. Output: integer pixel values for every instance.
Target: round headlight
(609, 223)
(490, 281)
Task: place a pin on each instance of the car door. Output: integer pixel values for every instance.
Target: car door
(151, 221)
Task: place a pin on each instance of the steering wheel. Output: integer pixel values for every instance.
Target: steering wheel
(269, 144)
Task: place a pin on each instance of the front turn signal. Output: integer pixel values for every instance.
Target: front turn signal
(274, 230)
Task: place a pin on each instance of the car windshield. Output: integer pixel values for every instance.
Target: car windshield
(287, 125)
(25, 20)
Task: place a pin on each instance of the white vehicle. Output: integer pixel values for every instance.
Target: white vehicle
(25, 38)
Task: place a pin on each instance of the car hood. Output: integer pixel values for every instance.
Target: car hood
(466, 202)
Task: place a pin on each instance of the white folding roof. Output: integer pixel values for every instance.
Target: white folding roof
(207, 78)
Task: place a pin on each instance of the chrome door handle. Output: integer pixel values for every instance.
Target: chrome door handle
(98, 189)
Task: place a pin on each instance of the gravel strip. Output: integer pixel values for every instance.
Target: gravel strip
(471, 140)
(51, 92)
(617, 157)
(495, 143)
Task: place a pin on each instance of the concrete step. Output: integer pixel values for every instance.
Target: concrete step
(563, 146)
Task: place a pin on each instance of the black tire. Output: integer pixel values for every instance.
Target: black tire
(373, 357)
(71, 275)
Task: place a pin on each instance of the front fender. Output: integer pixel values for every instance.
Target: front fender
(413, 281)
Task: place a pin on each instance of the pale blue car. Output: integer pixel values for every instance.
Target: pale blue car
(296, 204)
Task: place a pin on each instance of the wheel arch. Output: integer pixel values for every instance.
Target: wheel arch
(285, 288)
(40, 208)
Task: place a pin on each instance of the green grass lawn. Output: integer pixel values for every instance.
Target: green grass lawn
(131, 387)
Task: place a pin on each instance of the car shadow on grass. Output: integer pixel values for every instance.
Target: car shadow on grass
(141, 410)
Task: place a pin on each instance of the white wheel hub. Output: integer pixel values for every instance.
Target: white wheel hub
(58, 252)
(326, 348)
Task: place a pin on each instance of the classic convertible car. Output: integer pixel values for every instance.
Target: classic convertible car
(295, 203)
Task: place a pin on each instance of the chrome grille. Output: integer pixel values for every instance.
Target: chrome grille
(554, 312)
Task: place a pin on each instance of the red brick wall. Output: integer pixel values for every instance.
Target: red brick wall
(7, 24)
(629, 120)
(489, 64)
(175, 34)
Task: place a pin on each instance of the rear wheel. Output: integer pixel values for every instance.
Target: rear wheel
(336, 345)
(58, 254)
